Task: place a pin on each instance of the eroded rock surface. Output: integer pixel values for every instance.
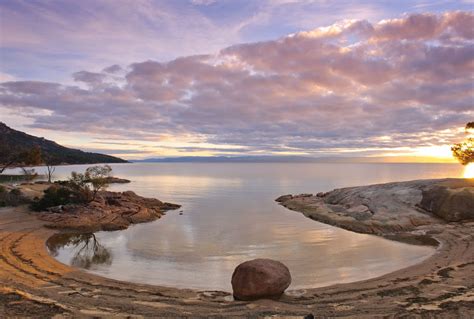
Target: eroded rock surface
(260, 278)
(109, 211)
(391, 208)
(450, 204)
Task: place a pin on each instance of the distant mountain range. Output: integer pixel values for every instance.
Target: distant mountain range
(15, 141)
(291, 159)
(253, 159)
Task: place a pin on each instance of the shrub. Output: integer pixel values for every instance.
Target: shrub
(57, 195)
(79, 189)
(94, 180)
(14, 197)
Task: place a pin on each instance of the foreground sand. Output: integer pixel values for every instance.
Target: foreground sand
(34, 284)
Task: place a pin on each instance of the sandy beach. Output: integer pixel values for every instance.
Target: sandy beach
(34, 284)
(237, 159)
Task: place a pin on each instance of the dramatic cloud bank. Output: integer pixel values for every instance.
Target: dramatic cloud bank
(353, 85)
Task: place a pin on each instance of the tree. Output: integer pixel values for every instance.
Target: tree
(80, 185)
(33, 156)
(50, 171)
(50, 162)
(95, 177)
(464, 151)
(22, 158)
(29, 174)
(98, 176)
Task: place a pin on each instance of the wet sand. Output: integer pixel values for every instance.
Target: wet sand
(32, 283)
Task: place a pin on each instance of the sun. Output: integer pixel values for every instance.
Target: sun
(438, 152)
(469, 171)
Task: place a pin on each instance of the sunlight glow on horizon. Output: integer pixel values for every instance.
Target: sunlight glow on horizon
(440, 151)
(469, 171)
(383, 83)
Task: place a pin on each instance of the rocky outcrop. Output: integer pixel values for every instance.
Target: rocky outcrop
(109, 211)
(108, 180)
(260, 278)
(284, 198)
(452, 205)
(392, 208)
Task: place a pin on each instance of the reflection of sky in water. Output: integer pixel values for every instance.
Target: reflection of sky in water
(229, 216)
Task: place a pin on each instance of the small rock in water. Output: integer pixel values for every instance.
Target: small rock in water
(260, 278)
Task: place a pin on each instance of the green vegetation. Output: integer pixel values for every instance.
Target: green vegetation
(464, 151)
(13, 197)
(57, 195)
(91, 182)
(98, 177)
(81, 188)
(11, 178)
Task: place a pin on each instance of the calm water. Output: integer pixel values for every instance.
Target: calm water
(229, 216)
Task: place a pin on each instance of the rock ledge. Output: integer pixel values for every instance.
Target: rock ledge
(391, 209)
(109, 211)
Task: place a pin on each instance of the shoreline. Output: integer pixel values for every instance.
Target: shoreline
(440, 285)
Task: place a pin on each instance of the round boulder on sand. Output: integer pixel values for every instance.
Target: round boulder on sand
(260, 278)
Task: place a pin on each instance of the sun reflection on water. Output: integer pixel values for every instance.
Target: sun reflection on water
(469, 171)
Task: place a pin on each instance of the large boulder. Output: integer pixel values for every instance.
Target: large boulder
(260, 278)
(452, 205)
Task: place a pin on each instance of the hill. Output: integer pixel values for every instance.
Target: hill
(12, 141)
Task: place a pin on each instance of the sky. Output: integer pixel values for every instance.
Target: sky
(144, 78)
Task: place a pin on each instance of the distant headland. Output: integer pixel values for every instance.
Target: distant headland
(13, 141)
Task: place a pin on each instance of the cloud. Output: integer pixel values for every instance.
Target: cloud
(91, 78)
(112, 69)
(53, 37)
(403, 82)
(203, 2)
